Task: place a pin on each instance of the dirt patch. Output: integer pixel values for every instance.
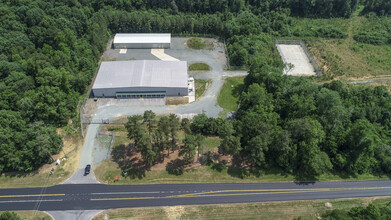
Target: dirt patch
(177, 100)
(129, 157)
(71, 145)
(174, 212)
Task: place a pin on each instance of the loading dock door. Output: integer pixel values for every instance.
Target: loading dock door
(138, 95)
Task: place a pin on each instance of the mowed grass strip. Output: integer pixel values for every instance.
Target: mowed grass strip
(199, 67)
(200, 86)
(266, 210)
(228, 97)
(107, 171)
(33, 215)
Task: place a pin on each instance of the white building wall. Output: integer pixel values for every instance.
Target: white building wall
(141, 45)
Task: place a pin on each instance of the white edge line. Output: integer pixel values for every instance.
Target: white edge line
(100, 211)
(47, 213)
(48, 200)
(121, 193)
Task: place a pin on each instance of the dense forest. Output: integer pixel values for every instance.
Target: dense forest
(307, 129)
(49, 51)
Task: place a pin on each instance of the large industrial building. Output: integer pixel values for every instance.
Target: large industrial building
(141, 79)
(142, 41)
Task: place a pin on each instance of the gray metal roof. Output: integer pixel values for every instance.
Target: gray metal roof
(141, 73)
(142, 38)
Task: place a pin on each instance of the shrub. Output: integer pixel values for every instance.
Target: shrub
(196, 43)
(372, 38)
(329, 32)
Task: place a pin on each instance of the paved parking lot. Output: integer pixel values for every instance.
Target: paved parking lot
(215, 57)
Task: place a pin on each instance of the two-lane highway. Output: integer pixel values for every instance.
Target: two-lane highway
(99, 196)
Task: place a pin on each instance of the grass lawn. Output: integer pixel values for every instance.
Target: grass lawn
(211, 143)
(199, 66)
(201, 85)
(229, 95)
(33, 215)
(266, 210)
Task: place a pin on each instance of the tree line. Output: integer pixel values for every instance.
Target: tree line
(378, 7)
(303, 8)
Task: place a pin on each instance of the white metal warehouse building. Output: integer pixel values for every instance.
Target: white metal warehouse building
(142, 41)
(141, 79)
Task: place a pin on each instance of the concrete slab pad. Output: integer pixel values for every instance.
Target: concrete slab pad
(74, 214)
(295, 55)
(159, 53)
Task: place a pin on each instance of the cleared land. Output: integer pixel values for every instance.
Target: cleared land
(294, 55)
(267, 210)
(346, 58)
(228, 97)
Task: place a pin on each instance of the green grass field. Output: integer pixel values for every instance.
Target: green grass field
(229, 95)
(199, 67)
(266, 210)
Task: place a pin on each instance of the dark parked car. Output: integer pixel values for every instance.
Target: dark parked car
(87, 170)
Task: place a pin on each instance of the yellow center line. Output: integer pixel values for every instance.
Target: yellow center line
(244, 192)
(33, 195)
(252, 190)
(193, 196)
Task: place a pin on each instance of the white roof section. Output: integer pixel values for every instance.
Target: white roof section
(141, 73)
(142, 38)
